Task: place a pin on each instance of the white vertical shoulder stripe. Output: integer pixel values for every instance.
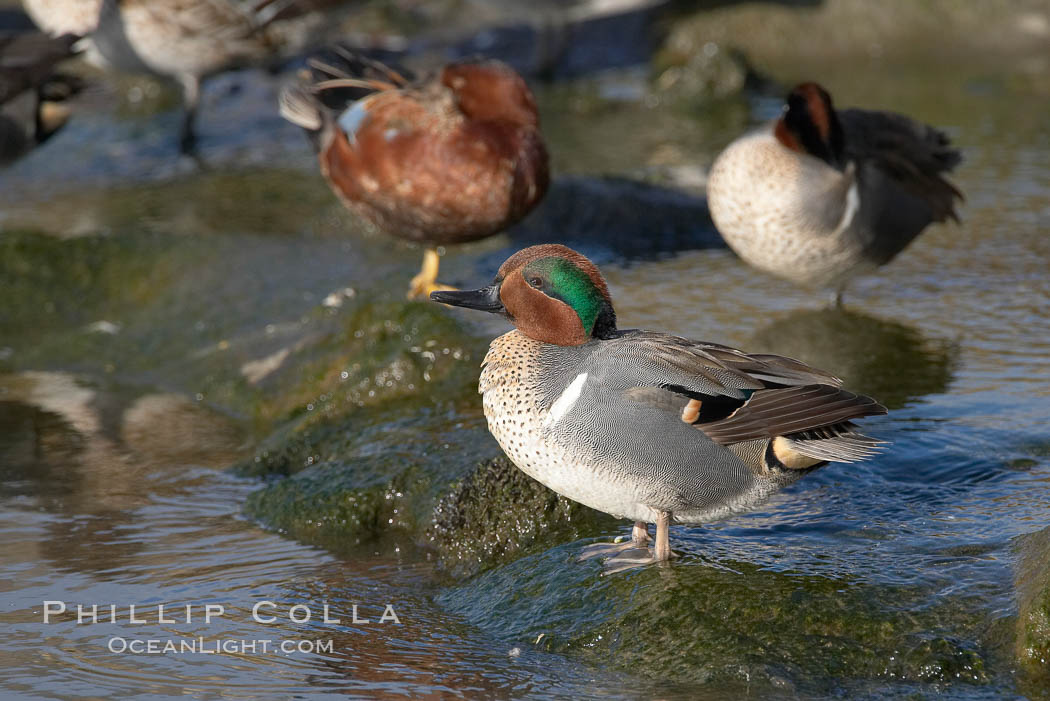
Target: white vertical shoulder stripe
(566, 400)
(852, 205)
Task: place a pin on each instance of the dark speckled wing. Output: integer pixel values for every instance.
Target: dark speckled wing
(904, 146)
(790, 410)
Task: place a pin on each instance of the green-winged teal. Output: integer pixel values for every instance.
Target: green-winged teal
(450, 157)
(645, 425)
(820, 196)
(186, 40)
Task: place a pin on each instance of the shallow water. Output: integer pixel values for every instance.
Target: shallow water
(132, 310)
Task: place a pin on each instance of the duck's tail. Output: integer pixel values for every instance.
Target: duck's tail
(805, 424)
(836, 443)
(916, 155)
(302, 108)
(339, 76)
(332, 81)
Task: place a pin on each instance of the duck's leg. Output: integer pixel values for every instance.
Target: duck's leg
(426, 281)
(641, 556)
(662, 549)
(639, 540)
(191, 93)
(836, 298)
(640, 533)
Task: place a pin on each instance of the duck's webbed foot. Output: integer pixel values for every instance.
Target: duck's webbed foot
(639, 541)
(635, 552)
(426, 281)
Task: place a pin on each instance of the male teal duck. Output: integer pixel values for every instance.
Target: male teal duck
(451, 157)
(820, 196)
(645, 425)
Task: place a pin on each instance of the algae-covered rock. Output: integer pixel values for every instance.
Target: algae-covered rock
(499, 513)
(378, 419)
(1033, 623)
(383, 421)
(706, 72)
(731, 622)
(331, 506)
(381, 352)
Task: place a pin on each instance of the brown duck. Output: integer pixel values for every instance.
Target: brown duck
(447, 158)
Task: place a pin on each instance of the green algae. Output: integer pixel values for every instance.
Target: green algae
(373, 426)
(1033, 620)
(498, 514)
(382, 425)
(381, 352)
(328, 506)
(48, 285)
(731, 624)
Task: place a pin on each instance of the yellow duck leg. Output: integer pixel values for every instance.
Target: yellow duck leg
(426, 281)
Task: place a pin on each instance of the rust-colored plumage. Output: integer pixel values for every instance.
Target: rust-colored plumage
(538, 315)
(452, 157)
(555, 250)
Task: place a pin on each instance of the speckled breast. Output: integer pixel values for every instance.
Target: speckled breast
(784, 212)
(515, 407)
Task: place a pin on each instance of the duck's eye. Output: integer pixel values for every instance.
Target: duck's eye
(536, 282)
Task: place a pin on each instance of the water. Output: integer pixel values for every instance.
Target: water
(116, 435)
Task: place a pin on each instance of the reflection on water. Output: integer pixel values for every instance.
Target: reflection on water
(86, 456)
(105, 501)
(885, 359)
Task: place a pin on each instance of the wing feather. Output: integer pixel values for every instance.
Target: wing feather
(777, 412)
(768, 395)
(696, 368)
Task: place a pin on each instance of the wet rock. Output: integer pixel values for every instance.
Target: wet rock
(381, 426)
(390, 366)
(1033, 622)
(734, 624)
(375, 422)
(331, 505)
(498, 513)
(706, 72)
